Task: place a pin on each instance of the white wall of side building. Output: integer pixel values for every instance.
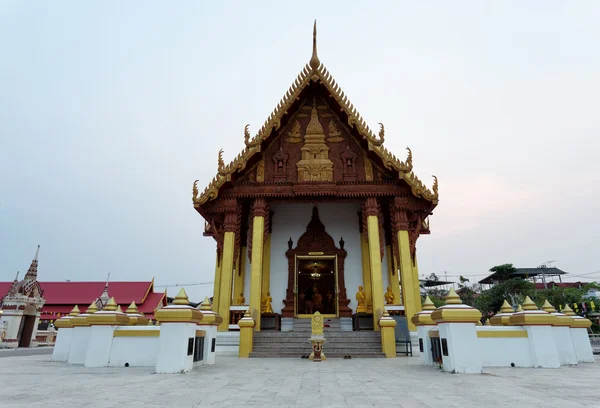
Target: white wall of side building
(290, 220)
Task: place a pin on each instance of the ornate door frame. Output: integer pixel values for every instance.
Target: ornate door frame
(315, 242)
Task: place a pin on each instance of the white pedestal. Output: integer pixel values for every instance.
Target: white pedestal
(100, 344)
(211, 333)
(582, 345)
(62, 344)
(462, 356)
(543, 346)
(564, 345)
(423, 336)
(173, 355)
(79, 344)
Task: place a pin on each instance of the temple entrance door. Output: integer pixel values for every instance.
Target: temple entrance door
(27, 330)
(316, 289)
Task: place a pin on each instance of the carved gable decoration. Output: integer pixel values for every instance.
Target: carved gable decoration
(316, 239)
(314, 137)
(315, 164)
(280, 162)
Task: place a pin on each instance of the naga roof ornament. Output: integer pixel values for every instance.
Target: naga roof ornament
(315, 71)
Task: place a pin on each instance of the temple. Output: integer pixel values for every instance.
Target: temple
(315, 214)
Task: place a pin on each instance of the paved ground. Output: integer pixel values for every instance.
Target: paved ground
(34, 381)
(25, 351)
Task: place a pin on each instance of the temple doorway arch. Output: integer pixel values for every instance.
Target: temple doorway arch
(316, 245)
(27, 326)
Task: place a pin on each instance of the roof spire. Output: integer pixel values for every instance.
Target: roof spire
(314, 61)
(32, 272)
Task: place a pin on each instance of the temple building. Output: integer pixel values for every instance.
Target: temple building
(27, 304)
(315, 214)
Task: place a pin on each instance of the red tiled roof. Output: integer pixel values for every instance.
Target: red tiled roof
(4, 288)
(61, 297)
(72, 293)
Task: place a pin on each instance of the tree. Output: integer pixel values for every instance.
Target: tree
(504, 272)
(513, 290)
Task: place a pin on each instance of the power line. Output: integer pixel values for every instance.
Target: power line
(183, 284)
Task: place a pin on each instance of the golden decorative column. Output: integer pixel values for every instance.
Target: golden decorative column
(366, 268)
(266, 269)
(246, 324)
(217, 284)
(259, 212)
(240, 272)
(229, 227)
(393, 274)
(371, 209)
(388, 338)
(408, 268)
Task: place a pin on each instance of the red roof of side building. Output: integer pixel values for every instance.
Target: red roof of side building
(61, 297)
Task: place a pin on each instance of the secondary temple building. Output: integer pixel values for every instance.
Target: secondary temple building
(315, 214)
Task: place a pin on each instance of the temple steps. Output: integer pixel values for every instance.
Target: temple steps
(296, 344)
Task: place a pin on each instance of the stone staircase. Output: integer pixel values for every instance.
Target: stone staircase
(338, 344)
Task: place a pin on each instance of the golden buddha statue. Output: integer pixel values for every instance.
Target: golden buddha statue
(266, 303)
(389, 296)
(241, 300)
(360, 300)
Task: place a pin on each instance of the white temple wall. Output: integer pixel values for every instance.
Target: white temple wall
(290, 220)
(137, 351)
(502, 351)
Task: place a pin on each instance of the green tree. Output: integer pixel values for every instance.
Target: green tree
(513, 290)
(504, 272)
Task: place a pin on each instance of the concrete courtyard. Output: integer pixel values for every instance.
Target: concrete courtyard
(34, 381)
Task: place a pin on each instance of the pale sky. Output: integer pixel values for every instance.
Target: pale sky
(110, 110)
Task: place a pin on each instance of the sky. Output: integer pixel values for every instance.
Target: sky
(110, 110)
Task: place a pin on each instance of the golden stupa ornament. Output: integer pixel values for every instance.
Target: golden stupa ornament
(315, 164)
(314, 60)
(181, 298)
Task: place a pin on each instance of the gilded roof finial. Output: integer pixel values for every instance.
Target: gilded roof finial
(452, 298)
(547, 307)
(181, 298)
(314, 61)
(435, 186)
(74, 311)
(92, 308)
(221, 163)
(205, 305)
(506, 307)
(111, 306)
(195, 191)
(428, 304)
(528, 304)
(132, 309)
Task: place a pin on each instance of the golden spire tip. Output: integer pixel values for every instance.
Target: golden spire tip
(314, 61)
(181, 298)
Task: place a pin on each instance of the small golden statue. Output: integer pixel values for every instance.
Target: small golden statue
(360, 300)
(389, 296)
(266, 303)
(241, 300)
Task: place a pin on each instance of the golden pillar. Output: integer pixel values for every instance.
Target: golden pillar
(217, 284)
(266, 269)
(259, 211)
(372, 212)
(410, 279)
(392, 275)
(240, 270)
(366, 268)
(388, 337)
(227, 267)
(246, 335)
